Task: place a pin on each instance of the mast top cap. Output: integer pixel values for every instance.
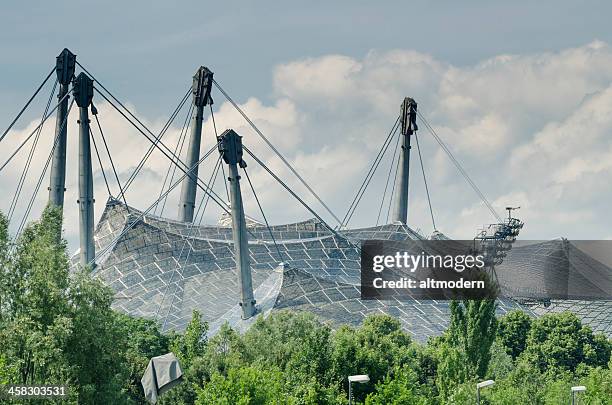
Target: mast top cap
(202, 86)
(408, 116)
(64, 66)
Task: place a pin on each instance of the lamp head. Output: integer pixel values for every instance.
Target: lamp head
(485, 383)
(361, 378)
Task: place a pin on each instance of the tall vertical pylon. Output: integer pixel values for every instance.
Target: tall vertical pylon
(408, 127)
(83, 94)
(64, 68)
(230, 147)
(202, 84)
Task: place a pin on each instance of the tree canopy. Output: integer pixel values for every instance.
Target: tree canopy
(58, 327)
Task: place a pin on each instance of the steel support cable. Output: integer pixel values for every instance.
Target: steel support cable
(280, 256)
(366, 181)
(171, 156)
(40, 180)
(276, 151)
(33, 132)
(459, 167)
(212, 115)
(392, 190)
(110, 158)
(143, 213)
(391, 166)
(204, 200)
(286, 187)
(24, 173)
(433, 221)
(171, 166)
(179, 269)
(27, 104)
(100, 162)
(158, 138)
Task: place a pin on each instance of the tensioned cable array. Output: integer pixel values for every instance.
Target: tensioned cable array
(433, 221)
(286, 187)
(178, 151)
(27, 104)
(280, 256)
(168, 154)
(110, 158)
(158, 138)
(93, 140)
(394, 183)
(276, 151)
(391, 166)
(205, 198)
(459, 167)
(149, 134)
(212, 116)
(42, 176)
(24, 173)
(143, 213)
(33, 132)
(369, 175)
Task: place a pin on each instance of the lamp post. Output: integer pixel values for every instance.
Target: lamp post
(579, 388)
(361, 378)
(482, 385)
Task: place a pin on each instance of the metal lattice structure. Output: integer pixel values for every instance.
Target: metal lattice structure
(163, 269)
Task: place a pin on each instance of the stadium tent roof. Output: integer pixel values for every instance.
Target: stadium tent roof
(163, 269)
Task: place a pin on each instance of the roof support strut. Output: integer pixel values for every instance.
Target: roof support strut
(230, 147)
(409, 126)
(202, 83)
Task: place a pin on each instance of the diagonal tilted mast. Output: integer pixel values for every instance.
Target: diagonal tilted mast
(202, 83)
(230, 147)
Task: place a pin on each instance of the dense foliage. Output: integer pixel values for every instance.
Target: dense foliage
(57, 327)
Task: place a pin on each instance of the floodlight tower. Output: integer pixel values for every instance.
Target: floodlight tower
(202, 84)
(408, 127)
(82, 89)
(230, 147)
(64, 68)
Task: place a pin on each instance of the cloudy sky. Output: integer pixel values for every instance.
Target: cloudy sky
(521, 93)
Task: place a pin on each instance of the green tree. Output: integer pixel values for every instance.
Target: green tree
(192, 343)
(452, 369)
(190, 348)
(524, 385)
(54, 328)
(403, 388)
(255, 386)
(501, 363)
(513, 330)
(144, 340)
(472, 328)
(560, 341)
(375, 349)
(598, 383)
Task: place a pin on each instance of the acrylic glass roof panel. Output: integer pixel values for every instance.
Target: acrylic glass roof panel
(163, 269)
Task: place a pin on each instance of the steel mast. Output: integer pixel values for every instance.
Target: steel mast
(202, 83)
(64, 68)
(83, 94)
(408, 126)
(230, 147)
